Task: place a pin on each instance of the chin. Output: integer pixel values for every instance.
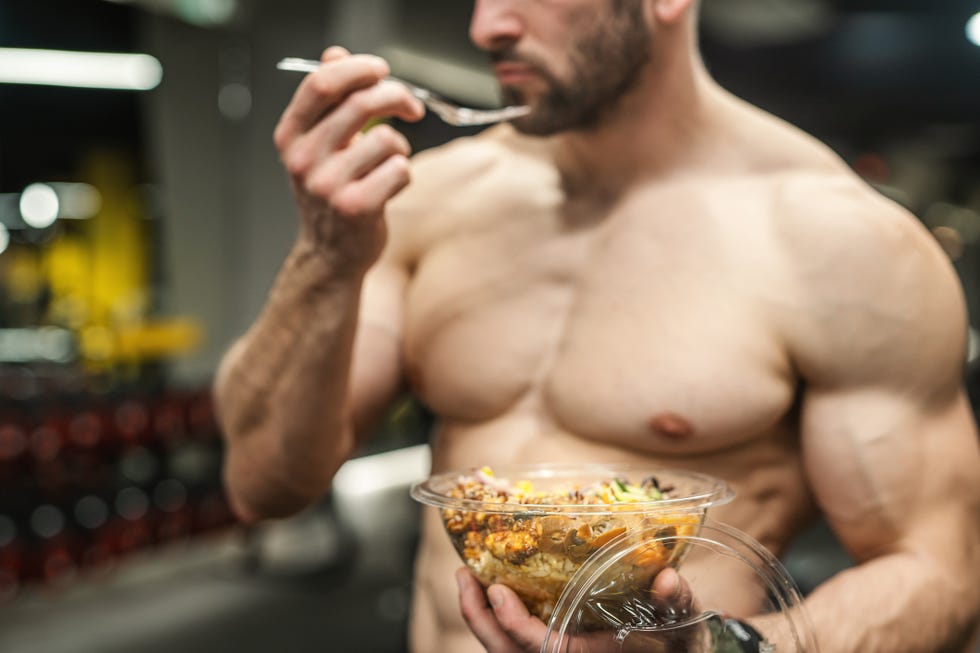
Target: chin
(513, 96)
(531, 92)
(529, 125)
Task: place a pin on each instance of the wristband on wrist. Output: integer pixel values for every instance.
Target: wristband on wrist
(734, 636)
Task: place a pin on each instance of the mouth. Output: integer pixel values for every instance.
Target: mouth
(509, 73)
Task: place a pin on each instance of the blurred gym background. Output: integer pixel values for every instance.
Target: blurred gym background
(143, 217)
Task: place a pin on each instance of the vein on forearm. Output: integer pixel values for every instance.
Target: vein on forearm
(291, 371)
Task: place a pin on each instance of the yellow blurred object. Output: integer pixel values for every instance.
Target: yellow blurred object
(144, 341)
(67, 262)
(23, 279)
(118, 271)
(97, 345)
(92, 277)
(103, 347)
(158, 339)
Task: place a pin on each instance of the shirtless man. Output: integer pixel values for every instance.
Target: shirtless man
(644, 269)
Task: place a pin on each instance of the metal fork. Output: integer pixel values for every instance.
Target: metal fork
(451, 113)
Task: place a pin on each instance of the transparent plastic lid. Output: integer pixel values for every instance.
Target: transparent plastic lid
(608, 605)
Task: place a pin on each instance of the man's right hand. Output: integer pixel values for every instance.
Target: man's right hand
(343, 178)
(503, 624)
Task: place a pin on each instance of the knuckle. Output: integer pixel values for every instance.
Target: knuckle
(321, 184)
(362, 101)
(297, 161)
(334, 52)
(375, 64)
(404, 147)
(324, 84)
(387, 137)
(279, 137)
(400, 165)
(378, 101)
(384, 132)
(352, 203)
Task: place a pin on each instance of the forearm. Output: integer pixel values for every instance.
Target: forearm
(899, 603)
(282, 390)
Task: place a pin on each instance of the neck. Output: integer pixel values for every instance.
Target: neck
(663, 124)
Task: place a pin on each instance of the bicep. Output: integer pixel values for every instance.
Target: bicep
(376, 376)
(891, 471)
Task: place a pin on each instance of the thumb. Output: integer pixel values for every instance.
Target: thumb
(672, 594)
(523, 627)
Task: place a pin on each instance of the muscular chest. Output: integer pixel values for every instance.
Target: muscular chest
(628, 330)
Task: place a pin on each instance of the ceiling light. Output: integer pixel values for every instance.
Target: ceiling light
(206, 12)
(973, 29)
(39, 206)
(135, 72)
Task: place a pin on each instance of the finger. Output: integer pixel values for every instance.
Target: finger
(324, 89)
(524, 628)
(669, 586)
(338, 130)
(382, 100)
(672, 593)
(368, 196)
(479, 616)
(360, 158)
(334, 52)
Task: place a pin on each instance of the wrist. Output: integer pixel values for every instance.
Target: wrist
(316, 266)
(732, 635)
(347, 246)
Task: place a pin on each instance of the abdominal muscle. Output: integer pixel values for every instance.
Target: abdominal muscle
(772, 503)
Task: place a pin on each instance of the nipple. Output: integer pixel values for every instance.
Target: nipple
(672, 426)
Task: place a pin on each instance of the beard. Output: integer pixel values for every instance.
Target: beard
(605, 63)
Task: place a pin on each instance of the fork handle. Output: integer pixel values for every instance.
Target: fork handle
(299, 65)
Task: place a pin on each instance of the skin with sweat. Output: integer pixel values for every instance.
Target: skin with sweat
(650, 272)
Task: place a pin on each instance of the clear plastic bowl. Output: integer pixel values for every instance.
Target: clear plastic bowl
(536, 548)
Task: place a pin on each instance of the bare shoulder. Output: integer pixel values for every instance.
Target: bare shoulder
(877, 295)
(448, 182)
(840, 230)
(461, 160)
(833, 212)
(825, 214)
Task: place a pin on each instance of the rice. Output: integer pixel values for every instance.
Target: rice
(537, 553)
